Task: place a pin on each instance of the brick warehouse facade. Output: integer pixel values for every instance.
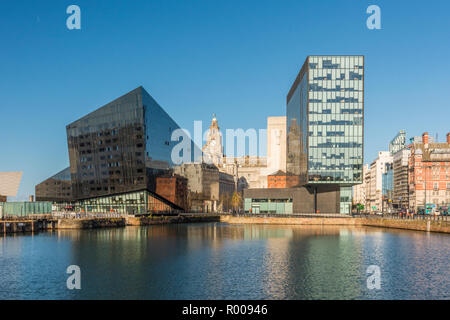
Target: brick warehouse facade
(173, 188)
(429, 173)
(281, 179)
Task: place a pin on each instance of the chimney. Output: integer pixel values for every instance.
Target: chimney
(425, 138)
(448, 138)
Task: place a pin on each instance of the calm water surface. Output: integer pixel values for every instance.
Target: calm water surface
(221, 261)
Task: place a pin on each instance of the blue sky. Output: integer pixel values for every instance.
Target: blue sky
(235, 58)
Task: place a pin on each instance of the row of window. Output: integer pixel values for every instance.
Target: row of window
(355, 122)
(317, 165)
(322, 130)
(322, 94)
(329, 177)
(320, 138)
(336, 77)
(323, 86)
(100, 130)
(336, 62)
(339, 145)
(110, 156)
(326, 64)
(342, 111)
(269, 200)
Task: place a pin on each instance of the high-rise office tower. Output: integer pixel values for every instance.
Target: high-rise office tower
(325, 120)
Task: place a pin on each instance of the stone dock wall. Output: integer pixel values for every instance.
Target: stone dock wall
(24, 226)
(91, 223)
(144, 221)
(344, 221)
(405, 224)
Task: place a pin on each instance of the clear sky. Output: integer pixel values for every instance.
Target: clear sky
(235, 58)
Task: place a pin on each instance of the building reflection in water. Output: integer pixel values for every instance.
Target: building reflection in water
(313, 262)
(220, 261)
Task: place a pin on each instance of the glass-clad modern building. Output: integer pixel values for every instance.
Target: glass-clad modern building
(387, 185)
(398, 143)
(122, 147)
(268, 206)
(325, 120)
(139, 202)
(56, 188)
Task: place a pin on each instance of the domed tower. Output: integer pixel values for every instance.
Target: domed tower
(213, 149)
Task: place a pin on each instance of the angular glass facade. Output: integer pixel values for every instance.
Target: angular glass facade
(325, 119)
(55, 188)
(121, 147)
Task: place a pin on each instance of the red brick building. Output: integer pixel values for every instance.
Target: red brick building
(281, 179)
(429, 173)
(173, 188)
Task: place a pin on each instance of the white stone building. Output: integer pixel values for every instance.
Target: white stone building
(249, 171)
(374, 195)
(359, 190)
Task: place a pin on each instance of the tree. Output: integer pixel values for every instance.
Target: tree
(225, 201)
(236, 201)
(359, 207)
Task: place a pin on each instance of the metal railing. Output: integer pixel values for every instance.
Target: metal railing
(291, 215)
(398, 216)
(84, 215)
